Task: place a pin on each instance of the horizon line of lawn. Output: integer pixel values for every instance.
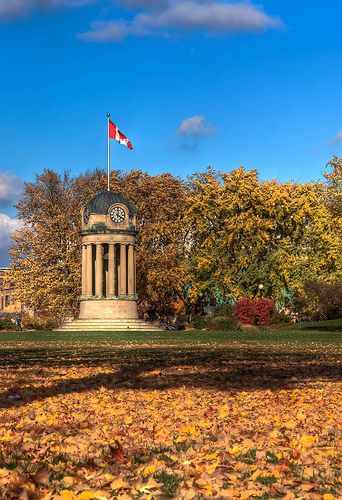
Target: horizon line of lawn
(323, 332)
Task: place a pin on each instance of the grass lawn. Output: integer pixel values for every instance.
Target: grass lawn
(172, 414)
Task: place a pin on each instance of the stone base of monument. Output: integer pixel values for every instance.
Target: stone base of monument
(108, 325)
(108, 315)
(108, 308)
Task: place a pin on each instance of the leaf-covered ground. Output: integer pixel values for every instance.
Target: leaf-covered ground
(182, 415)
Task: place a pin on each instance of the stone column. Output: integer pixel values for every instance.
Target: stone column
(89, 276)
(123, 290)
(99, 270)
(111, 270)
(84, 269)
(135, 270)
(131, 270)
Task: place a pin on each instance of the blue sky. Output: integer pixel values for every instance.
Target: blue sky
(191, 83)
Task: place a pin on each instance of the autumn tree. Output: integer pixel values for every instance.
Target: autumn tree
(46, 251)
(246, 233)
(46, 262)
(161, 263)
(333, 193)
(160, 200)
(333, 178)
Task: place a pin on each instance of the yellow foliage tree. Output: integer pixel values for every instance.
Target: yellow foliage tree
(45, 254)
(251, 237)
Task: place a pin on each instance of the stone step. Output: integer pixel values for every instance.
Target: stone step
(114, 325)
(118, 329)
(108, 325)
(93, 329)
(90, 323)
(100, 320)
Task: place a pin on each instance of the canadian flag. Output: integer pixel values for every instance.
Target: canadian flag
(115, 133)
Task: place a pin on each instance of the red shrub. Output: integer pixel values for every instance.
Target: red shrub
(254, 311)
(264, 311)
(244, 311)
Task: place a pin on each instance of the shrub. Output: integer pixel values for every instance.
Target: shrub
(221, 323)
(7, 324)
(244, 311)
(199, 323)
(264, 311)
(254, 311)
(43, 324)
(319, 301)
(223, 319)
(281, 317)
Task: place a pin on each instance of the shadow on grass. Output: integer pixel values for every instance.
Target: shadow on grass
(318, 328)
(217, 368)
(331, 325)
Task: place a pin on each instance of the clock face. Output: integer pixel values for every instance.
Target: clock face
(117, 214)
(86, 215)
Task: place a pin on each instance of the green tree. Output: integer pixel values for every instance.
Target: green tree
(246, 233)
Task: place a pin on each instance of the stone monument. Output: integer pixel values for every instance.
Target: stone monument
(108, 300)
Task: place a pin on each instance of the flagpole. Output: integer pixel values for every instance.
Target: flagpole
(108, 152)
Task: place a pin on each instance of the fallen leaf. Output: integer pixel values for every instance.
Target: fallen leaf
(308, 440)
(119, 484)
(42, 476)
(117, 455)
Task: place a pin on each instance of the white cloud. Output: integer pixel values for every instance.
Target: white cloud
(195, 127)
(192, 130)
(106, 31)
(10, 188)
(179, 16)
(337, 139)
(7, 227)
(20, 8)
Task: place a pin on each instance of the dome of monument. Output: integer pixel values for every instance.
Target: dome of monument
(101, 203)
